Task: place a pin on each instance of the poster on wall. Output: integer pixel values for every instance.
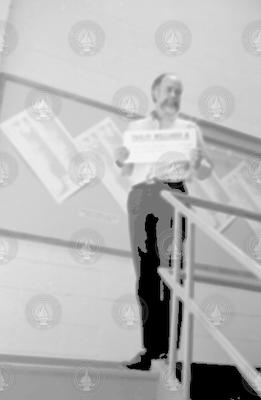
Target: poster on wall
(212, 189)
(244, 191)
(105, 137)
(236, 181)
(48, 149)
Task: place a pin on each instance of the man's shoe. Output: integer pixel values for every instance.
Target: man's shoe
(160, 362)
(141, 361)
(164, 356)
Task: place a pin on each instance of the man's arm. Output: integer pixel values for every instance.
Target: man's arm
(203, 164)
(121, 156)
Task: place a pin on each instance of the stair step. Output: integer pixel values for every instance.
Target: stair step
(31, 378)
(93, 380)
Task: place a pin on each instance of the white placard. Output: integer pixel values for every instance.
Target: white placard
(147, 146)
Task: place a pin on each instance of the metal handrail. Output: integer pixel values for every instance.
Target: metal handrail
(230, 138)
(214, 206)
(187, 199)
(186, 293)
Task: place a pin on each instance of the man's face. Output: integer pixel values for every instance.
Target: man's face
(168, 96)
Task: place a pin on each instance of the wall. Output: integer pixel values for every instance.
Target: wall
(216, 56)
(87, 309)
(129, 57)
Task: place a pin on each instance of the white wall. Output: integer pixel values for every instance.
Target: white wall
(130, 57)
(88, 295)
(4, 14)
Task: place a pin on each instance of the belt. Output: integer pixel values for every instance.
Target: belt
(172, 184)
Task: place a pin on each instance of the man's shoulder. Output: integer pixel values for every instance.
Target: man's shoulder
(185, 123)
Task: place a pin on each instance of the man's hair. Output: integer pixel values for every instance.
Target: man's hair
(157, 82)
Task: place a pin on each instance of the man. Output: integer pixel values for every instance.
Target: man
(150, 215)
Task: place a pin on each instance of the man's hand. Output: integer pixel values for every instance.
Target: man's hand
(121, 154)
(195, 158)
(204, 170)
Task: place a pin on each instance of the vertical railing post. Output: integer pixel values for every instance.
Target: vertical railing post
(174, 298)
(188, 314)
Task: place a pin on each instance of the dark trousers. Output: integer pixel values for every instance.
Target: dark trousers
(151, 229)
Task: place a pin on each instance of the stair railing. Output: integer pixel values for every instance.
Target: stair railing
(185, 291)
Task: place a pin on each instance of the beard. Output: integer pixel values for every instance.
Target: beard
(173, 105)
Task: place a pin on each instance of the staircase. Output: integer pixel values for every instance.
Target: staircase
(30, 378)
(25, 378)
